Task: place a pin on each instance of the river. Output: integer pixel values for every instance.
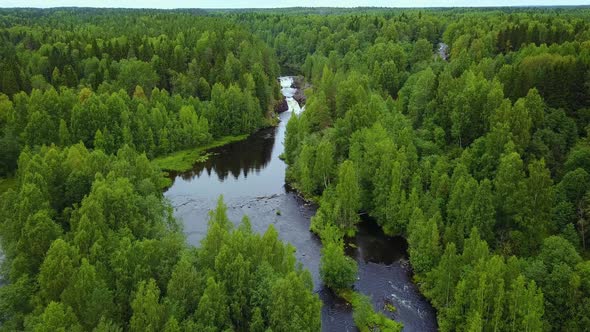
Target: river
(251, 178)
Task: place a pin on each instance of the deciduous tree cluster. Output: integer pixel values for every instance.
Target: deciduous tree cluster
(479, 156)
(103, 78)
(90, 244)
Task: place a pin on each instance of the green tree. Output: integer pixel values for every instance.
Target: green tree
(388, 77)
(203, 89)
(148, 313)
(59, 266)
(347, 197)
(88, 294)
(133, 73)
(525, 303)
(38, 233)
(184, 288)
(292, 140)
(305, 164)
(422, 51)
(257, 324)
(482, 213)
(212, 313)
(99, 140)
(64, 133)
(507, 185)
(324, 162)
(337, 270)
(293, 306)
(423, 241)
(444, 277)
(57, 317)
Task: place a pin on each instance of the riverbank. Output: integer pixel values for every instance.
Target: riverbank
(251, 177)
(364, 314)
(184, 160)
(384, 297)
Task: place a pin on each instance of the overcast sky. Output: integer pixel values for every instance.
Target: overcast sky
(286, 3)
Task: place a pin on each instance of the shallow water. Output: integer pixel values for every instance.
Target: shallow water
(251, 178)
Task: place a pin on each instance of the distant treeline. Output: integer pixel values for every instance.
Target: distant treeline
(84, 73)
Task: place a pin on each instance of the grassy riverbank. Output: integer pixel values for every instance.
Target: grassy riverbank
(184, 160)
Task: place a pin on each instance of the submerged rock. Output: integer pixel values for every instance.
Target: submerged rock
(300, 84)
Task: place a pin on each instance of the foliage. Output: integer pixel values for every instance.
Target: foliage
(90, 243)
(365, 318)
(479, 156)
(184, 160)
(337, 270)
(160, 87)
(6, 184)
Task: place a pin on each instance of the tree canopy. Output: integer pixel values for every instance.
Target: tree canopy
(464, 130)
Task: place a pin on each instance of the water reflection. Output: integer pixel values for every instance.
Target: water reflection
(251, 177)
(371, 245)
(229, 170)
(236, 160)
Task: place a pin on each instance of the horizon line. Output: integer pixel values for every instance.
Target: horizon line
(304, 7)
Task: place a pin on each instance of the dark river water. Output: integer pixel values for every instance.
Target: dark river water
(251, 178)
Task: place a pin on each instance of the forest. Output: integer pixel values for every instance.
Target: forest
(463, 130)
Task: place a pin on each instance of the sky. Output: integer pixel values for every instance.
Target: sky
(168, 4)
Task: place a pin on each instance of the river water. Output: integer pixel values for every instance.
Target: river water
(251, 178)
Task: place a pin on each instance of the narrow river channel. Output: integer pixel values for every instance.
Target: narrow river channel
(251, 178)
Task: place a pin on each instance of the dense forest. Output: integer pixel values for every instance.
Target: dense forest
(113, 78)
(463, 130)
(89, 243)
(478, 156)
